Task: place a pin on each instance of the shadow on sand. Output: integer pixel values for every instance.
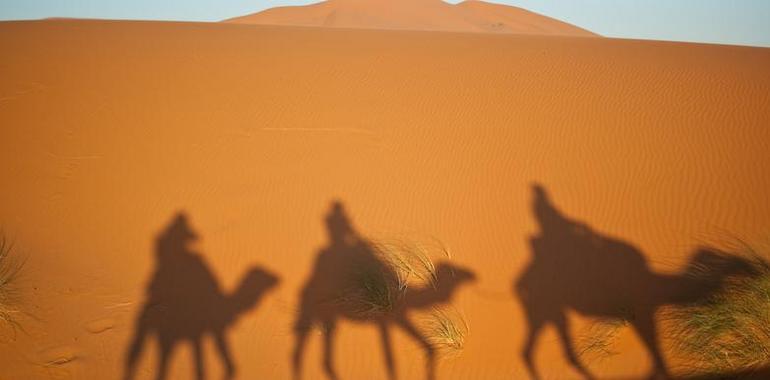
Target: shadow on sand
(185, 302)
(574, 268)
(349, 281)
(760, 373)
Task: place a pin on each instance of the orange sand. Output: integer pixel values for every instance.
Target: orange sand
(107, 129)
(467, 16)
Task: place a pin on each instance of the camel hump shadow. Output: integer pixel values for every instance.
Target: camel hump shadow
(351, 281)
(574, 268)
(184, 302)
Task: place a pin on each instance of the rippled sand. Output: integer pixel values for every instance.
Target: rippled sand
(108, 129)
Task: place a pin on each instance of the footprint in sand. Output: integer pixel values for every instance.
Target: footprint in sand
(100, 325)
(58, 356)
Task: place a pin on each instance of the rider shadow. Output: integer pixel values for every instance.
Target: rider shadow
(185, 302)
(350, 281)
(574, 268)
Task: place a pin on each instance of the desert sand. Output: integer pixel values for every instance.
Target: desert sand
(128, 146)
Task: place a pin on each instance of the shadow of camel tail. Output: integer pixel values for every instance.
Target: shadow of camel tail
(704, 275)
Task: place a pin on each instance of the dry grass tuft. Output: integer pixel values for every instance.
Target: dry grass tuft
(377, 287)
(446, 331)
(410, 260)
(10, 265)
(731, 330)
(372, 292)
(403, 264)
(596, 341)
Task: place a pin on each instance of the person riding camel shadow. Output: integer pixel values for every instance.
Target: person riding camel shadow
(574, 268)
(185, 302)
(351, 281)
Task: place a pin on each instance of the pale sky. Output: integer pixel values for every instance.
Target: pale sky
(738, 22)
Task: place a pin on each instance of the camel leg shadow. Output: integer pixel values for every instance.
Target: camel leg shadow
(200, 370)
(535, 326)
(330, 328)
(224, 354)
(388, 350)
(137, 344)
(644, 325)
(166, 350)
(430, 354)
(564, 330)
(302, 331)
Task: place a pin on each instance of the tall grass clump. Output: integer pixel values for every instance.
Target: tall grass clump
(410, 260)
(371, 292)
(377, 286)
(10, 265)
(730, 330)
(446, 331)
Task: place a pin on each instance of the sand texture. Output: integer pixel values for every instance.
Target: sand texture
(175, 181)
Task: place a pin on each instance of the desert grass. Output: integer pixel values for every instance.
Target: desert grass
(378, 290)
(10, 265)
(446, 331)
(596, 341)
(411, 260)
(372, 293)
(729, 331)
(408, 263)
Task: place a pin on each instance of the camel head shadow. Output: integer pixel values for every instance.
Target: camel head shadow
(254, 284)
(574, 268)
(350, 281)
(185, 302)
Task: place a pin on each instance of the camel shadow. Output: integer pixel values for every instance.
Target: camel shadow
(574, 268)
(350, 281)
(185, 302)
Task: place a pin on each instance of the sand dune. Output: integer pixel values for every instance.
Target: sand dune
(110, 130)
(467, 16)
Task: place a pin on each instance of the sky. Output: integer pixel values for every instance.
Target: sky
(735, 22)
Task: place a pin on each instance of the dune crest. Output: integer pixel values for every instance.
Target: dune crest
(434, 15)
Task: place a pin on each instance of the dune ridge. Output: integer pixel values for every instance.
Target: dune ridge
(435, 15)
